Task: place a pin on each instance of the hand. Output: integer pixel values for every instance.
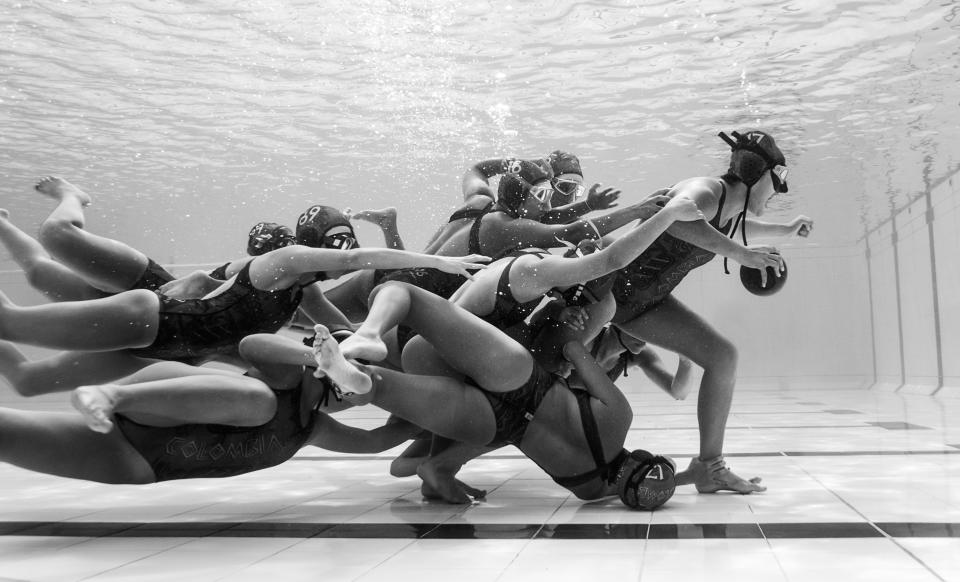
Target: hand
(761, 257)
(462, 265)
(652, 205)
(683, 209)
(602, 199)
(801, 226)
(574, 317)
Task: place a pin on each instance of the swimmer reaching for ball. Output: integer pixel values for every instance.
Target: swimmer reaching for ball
(647, 310)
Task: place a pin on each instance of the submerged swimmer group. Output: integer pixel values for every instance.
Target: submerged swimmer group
(512, 327)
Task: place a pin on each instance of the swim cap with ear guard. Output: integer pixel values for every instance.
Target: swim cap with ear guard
(314, 223)
(754, 152)
(564, 163)
(515, 184)
(646, 481)
(268, 236)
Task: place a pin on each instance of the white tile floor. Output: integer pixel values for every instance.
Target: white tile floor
(848, 500)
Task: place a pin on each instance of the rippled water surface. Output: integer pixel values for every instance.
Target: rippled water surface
(191, 121)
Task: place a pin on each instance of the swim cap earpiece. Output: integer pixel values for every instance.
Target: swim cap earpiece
(518, 177)
(268, 236)
(646, 481)
(314, 223)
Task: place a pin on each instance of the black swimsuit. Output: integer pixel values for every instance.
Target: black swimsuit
(507, 311)
(515, 409)
(191, 451)
(154, 276)
(652, 276)
(470, 212)
(198, 328)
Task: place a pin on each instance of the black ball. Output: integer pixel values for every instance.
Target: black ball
(751, 280)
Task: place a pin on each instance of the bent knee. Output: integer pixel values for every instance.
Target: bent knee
(57, 233)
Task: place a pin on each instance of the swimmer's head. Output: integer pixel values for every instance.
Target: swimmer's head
(325, 227)
(567, 179)
(753, 154)
(525, 189)
(269, 236)
(646, 481)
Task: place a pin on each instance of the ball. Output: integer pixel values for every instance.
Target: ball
(751, 280)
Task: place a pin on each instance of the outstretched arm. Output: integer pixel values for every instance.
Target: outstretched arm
(333, 435)
(799, 226)
(538, 277)
(282, 268)
(522, 233)
(596, 200)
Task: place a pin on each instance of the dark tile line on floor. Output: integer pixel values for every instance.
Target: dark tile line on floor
(581, 531)
(493, 457)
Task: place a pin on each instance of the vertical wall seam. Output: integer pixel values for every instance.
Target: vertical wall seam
(873, 326)
(936, 290)
(894, 240)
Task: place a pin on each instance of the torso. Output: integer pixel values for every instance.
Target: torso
(197, 328)
(653, 275)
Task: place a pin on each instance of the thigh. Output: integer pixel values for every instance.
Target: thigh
(107, 264)
(675, 327)
(420, 357)
(468, 344)
(67, 370)
(61, 444)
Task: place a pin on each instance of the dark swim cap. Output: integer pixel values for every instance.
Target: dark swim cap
(268, 236)
(646, 481)
(518, 177)
(754, 152)
(564, 163)
(316, 221)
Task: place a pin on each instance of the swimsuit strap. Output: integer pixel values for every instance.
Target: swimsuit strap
(470, 212)
(590, 428)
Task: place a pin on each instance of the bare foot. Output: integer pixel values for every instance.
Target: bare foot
(378, 217)
(59, 189)
(4, 213)
(364, 346)
(330, 361)
(682, 381)
(440, 484)
(715, 476)
(95, 405)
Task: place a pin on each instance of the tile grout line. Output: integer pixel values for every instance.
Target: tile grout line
(874, 525)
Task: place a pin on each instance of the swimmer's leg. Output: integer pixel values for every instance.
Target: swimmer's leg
(350, 297)
(331, 363)
(386, 221)
(444, 406)
(172, 393)
(64, 371)
(678, 385)
(125, 320)
(673, 326)
(468, 344)
(439, 471)
(105, 263)
(54, 280)
(60, 444)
